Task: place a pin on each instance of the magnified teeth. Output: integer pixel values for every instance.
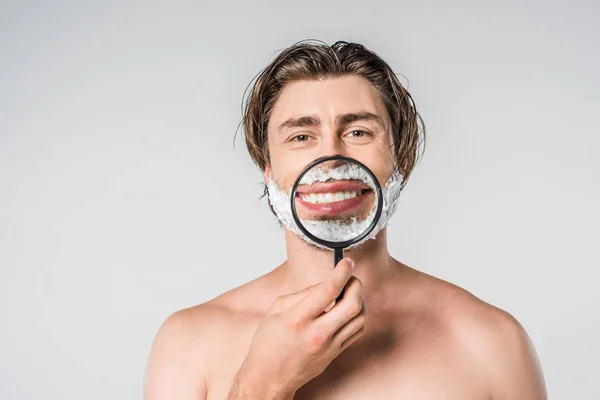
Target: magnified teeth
(328, 197)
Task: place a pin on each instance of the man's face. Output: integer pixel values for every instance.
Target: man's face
(312, 119)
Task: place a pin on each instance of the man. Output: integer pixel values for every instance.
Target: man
(397, 333)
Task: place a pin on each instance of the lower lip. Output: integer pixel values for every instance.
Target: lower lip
(338, 207)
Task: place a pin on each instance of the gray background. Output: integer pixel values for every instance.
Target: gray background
(123, 200)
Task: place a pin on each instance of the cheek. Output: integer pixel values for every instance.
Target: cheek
(383, 174)
(380, 161)
(284, 167)
(285, 172)
(386, 160)
(382, 169)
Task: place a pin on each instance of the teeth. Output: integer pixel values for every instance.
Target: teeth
(328, 197)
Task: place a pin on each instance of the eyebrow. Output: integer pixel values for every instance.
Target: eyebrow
(344, 119)
(307, 120)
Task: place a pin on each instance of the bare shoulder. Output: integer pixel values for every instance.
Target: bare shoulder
(488, 337)
(191, 341)
(177, 365)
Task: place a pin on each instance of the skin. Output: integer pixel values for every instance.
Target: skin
(417, 337)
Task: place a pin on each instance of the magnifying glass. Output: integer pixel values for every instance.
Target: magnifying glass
(336, 202)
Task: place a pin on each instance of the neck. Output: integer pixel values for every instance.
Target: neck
(307, 265)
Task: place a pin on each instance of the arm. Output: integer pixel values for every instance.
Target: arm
(294, 342)
(297, 339)
(249, 385)
(517, 373)
(172, 371)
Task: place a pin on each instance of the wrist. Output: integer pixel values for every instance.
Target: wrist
(251, 384)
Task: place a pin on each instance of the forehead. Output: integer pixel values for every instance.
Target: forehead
(327, 98)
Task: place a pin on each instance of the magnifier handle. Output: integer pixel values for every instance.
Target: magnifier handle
(338, 254)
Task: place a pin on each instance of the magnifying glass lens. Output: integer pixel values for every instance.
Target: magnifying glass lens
(336, 200)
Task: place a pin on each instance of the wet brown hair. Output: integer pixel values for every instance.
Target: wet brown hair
(315, 60)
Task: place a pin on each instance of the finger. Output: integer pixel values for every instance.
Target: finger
(329, 307)
(351, 306)
(327, 291)
(343, 311)
(352, 339)
(283, 303)
(347, 334)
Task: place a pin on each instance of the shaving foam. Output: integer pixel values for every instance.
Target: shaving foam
(345, 171)
(336, 231)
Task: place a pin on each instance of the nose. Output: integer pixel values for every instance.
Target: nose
(332, 145)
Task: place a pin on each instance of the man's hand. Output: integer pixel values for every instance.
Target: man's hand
(298, 339)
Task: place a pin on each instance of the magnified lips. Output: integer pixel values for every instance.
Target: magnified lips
(334, 197)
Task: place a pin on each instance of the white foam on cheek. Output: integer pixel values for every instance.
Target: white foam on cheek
(280, 201)
(335, 230)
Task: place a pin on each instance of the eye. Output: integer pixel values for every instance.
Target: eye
(300, 138)
(357, 133)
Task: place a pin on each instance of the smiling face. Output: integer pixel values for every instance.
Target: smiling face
(315, 118)
(315, 100)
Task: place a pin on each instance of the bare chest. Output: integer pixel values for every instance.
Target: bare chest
(412, 375)
(419, 369)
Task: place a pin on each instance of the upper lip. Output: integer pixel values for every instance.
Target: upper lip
(332, 187)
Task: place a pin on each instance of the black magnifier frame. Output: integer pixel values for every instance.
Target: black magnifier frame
(338, 247)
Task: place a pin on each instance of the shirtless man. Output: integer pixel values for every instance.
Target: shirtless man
(397, 333)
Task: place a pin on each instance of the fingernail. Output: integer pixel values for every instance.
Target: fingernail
(351, 261)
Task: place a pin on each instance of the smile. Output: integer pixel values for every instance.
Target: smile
(330, 197)
(334, 198)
